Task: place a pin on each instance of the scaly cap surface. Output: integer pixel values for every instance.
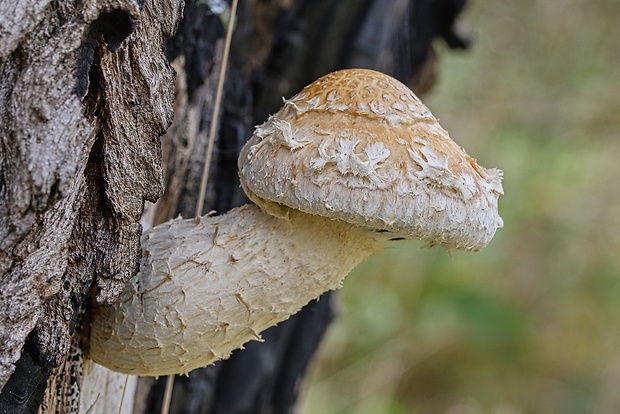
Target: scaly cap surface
(359, 146)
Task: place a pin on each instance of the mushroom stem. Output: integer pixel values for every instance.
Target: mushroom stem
(208, 285)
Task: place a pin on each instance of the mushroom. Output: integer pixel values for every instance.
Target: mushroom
(353, 160)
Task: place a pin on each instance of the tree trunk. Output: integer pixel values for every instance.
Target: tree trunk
(279, 47)
(85, 94)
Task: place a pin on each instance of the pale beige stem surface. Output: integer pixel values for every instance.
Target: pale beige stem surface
(207, 286)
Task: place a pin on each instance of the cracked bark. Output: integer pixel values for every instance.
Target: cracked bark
(85, 93)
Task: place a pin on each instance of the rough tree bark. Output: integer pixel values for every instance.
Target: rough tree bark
(85, 94)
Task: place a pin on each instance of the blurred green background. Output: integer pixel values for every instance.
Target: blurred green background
(532, 323)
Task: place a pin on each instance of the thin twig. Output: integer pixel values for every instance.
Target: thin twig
(120, 408)
(165, 405)
(207, 165)
(216, 110)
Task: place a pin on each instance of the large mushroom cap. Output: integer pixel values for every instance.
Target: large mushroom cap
(359, 146)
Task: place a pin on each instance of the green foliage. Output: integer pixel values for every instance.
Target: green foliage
(530, 324)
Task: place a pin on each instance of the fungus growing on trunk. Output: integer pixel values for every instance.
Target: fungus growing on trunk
(353, 160)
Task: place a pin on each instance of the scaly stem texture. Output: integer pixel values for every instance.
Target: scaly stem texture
(208, 285)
